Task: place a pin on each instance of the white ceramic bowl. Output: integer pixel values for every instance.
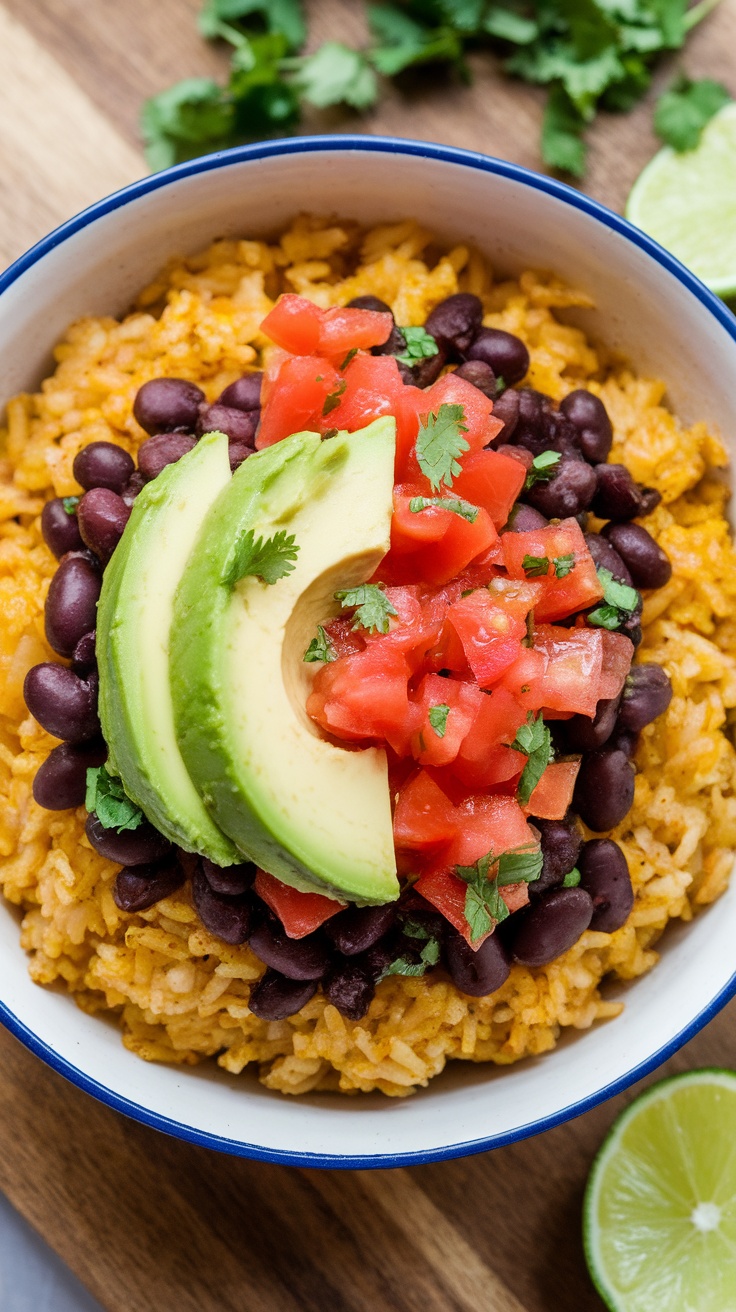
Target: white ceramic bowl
(667, 323)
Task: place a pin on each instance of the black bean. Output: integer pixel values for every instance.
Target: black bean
(71, 603)
(275, 997)
(647, 563)
(551, 925)
(533, 424)
(455, 322)
(622, 740)
(561, 842)
(506, 354)
(228, 918)
(84, 656)
(63, 704)
(480, 972)
(59, 528)
(617, 496)
(302, 958)
(589, 415)
(231, 880)
(369, 303)
(647, 694)
(604, 789)
(131, 847)
(604, 874)
(567, 493)
(138, 887)
(61, 782)
(506, 408)
(244, 393)
(376, 959)
(358, 928)
(585, 734)
(167, 403)
(606, 556)
(349, 988)
(238, 425)
(237, 452)
(650, 498)
(102, 516)
(134, 485)
(427, 371)
(162, 450)
(103, 464)
(524, 519)
(480, 375)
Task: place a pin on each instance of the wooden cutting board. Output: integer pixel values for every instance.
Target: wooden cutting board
(148, 1223)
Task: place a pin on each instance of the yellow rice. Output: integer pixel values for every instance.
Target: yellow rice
(182, 995)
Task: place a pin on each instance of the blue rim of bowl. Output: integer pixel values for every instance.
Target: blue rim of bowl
(604, 216)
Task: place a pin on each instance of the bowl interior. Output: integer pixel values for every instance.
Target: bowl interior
(666, 325)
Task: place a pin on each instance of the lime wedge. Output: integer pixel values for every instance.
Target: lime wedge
(687, 202)
(659, 1219)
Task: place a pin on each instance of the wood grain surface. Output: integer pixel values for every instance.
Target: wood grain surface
(150, 1224)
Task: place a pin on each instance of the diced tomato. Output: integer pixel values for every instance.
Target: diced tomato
(424, 815)
(433, 746)
(618, 651)
(521, 677)
(344, 639)
(453, 390)
(518, 597)
(491, 480)
(484, 758)
(490, 636)
(299, 913)
(447, 893)
(553, 794)
(433, 545)
(294, 323)
(372, 385)
(487, 824)
(296, 398)
(416, 626)
(571, 680)
(345, 328)
(365, 695)
(561, 596)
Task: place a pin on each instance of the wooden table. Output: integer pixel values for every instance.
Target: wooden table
(148, 1223)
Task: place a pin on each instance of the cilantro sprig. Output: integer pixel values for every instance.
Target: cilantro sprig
(543, 468)
(484, 904)
(685, 107)
(70, 504)
(429, 955)
(108, 799)
(440, 443)
(535, 741)
(420, 345)
(455, 504)
(619, 602)
(268, 559)
(372, 607)
(320, 648)
(438, 718)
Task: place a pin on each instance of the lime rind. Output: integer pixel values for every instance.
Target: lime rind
(654, 1220)
(687, 202)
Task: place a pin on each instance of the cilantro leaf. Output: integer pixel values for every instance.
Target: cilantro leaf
(320, 648)
(109, 801)
(563, 146)
(332, 400)
(281, 16)
(439, 444)
(335, 75)
(70, 504)
(564, 565)
(373, 607)
(572, 878)
(508, 25)
(605, 617)
(535, 741)
(483, 901)
(620, 601)
(401, 42)
(535, 566)
(520, 865)
(402, 966)
(455, 504)
(349, 358)
(187, 119)
(420, 345)
(683, 110)
(543, 468)
(268, 559)
(438, 718)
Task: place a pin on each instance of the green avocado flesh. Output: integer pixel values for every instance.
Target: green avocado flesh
(315, 815)
(133, 623)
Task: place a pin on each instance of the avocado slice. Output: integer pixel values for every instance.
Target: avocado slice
(316, 815)
(133, 622)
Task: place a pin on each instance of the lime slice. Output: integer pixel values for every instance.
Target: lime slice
(659, 1218)
(687, 202)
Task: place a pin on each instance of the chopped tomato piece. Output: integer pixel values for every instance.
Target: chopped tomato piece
(478, 419)
(521, 677)
(299, 913)
(553, 794)
(618, 651)
(571, 680)
(345, 328)
(564, 547)
(487, 824)
(433, 545)
(456, 706)
(490, 636)
(484, 757)
(424, 815)
(365, 695)
(416, 626)
(372, 386)
(447, 893)
(491, 480)
(294, 323)
(296, 398)
(344, 639)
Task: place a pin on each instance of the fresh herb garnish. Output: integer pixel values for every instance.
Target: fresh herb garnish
(320, 648)
(438, 718)
(440, 442)
(572, 878)
(536, 567)
(620, 601)
(70, 504)
(543, 468)
(107, 798)
(348, 358)
(373, 607)
(455, 504)
(269, 559)
(332, 400)
(429, 955)
(535, 741)
(564, 565)
(420, 345)
(483, 901)
(683, 110)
